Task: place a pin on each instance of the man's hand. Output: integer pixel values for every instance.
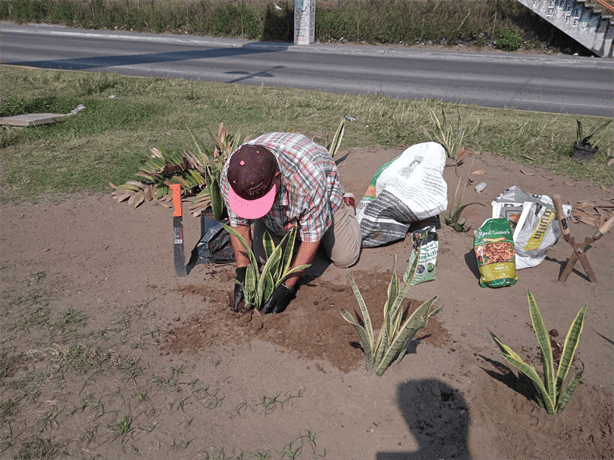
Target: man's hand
(279, 300)
(238, 287)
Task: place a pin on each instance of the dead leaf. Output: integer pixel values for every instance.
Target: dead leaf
(547, 177)
(478, 172)
(528, 157)
(139, 200)
(461, 154)
(604, 188)
(570, 184)
(123, 197)
(527, 172)
(611, 162)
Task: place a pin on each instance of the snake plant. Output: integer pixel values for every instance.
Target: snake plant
(393, 334)
(550, 394)
(259, 285)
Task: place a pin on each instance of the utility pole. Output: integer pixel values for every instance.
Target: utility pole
(304, 22)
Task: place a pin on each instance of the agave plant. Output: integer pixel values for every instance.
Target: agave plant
(258, 285)
(162, 169)
(550, 394)
(393, 334)
(225, 143)
(451, 138)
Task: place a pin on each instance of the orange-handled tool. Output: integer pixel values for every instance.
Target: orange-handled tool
(178, 210)
(178, 252)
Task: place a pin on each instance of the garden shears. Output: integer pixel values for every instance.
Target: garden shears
(579, 249)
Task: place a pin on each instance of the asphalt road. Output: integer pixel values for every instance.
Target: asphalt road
(568, 84)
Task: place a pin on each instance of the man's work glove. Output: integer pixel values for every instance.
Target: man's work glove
(279, 300)
(238, 287)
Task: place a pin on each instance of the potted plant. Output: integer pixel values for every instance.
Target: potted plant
(584, 147)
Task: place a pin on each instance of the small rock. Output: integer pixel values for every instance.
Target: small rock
(177, 318)
(553, 333)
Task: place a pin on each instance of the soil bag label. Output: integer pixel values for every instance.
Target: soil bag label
(495, 253)
(426, 242)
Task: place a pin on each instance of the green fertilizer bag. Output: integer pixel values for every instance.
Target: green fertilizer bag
(494, 249)
(426, 243)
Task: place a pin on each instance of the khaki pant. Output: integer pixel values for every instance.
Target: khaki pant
(342, 241)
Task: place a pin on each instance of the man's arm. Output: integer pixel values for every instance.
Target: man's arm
(304, 256)
(241, 256)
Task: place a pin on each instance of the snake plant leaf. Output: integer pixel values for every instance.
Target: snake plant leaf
(365, 340)
(528, 370)
(366, 318)
(291, 272)
(266, 281)
(248, 249)
(569, 349)
(417, 320)
(288, 252)
(268, 243)
(390, 320)
(544, 344)
(333, 147)
(396, 308)
(381, 344)
(571, 388)
(266, 278)
(251, 278)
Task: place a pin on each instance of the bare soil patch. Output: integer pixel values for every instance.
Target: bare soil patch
(168, 360)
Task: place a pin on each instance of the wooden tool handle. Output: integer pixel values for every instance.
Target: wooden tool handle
(604, 228)
(560, 214)
(176, 189)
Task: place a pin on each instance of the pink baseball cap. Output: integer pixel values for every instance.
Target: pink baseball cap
(251, 175)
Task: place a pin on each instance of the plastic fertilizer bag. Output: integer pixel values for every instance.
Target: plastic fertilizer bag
(533, 220)
(494, 249)
(425, 242)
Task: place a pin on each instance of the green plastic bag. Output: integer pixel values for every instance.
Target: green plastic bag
(493, 244)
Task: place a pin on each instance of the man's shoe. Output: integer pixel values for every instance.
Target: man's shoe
(348, 199)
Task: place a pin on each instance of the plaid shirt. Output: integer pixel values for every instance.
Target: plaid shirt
(310, 191)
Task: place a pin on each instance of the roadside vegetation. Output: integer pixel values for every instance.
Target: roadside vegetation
(504, 24)
(109, 140)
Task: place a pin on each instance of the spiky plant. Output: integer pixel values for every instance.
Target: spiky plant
(197, 172)
(393, 334)
(450, 137)
(585, 138)
(550, 394)
(258, 285)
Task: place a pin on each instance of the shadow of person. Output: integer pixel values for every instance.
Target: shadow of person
(438, 419)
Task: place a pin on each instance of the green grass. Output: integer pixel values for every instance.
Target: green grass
(371, 21)
(109, 140)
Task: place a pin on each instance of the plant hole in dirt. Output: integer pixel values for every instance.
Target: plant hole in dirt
(312, 327)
